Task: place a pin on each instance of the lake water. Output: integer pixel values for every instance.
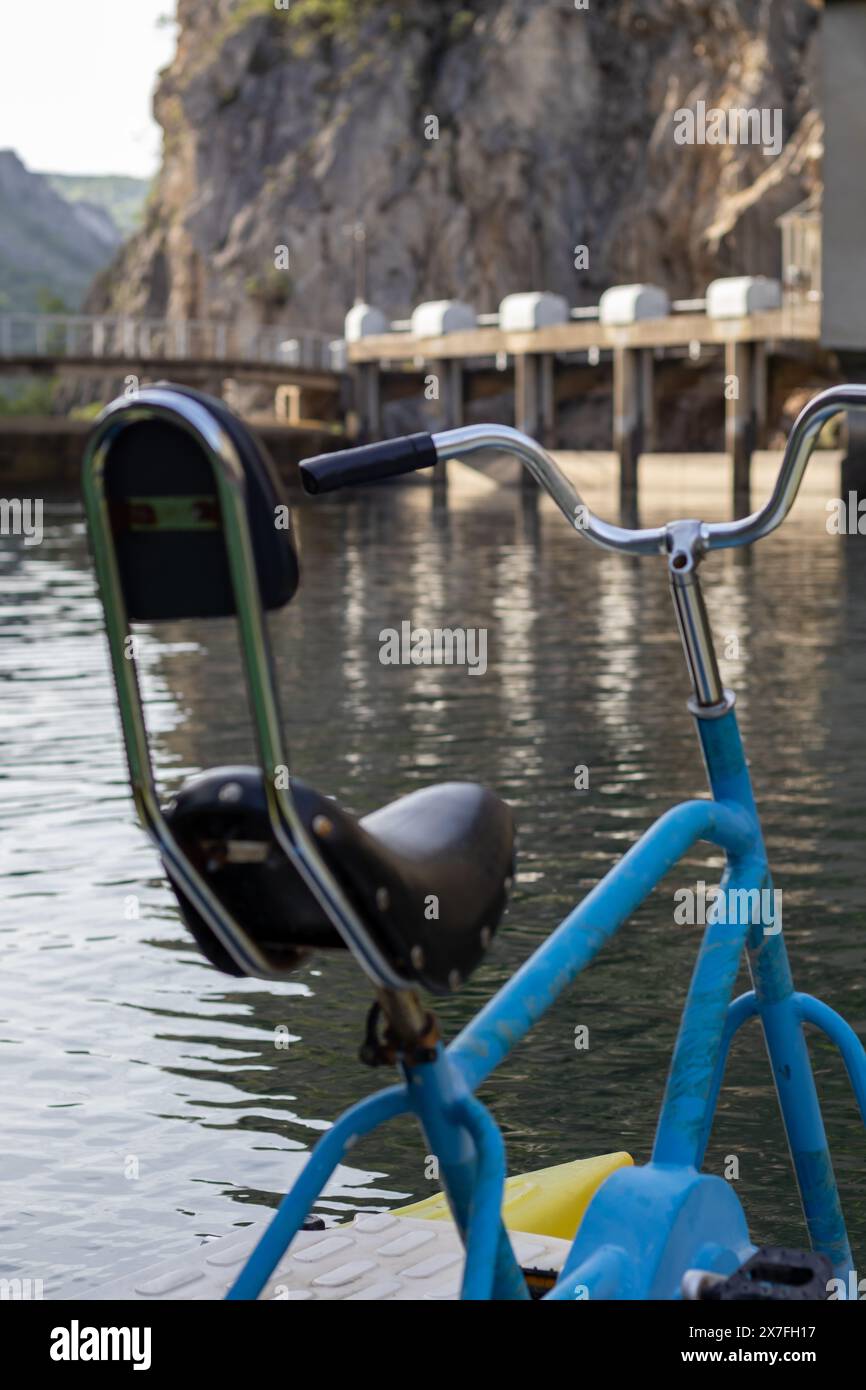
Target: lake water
(145, 1105)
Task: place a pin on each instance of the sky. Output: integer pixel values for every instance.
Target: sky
(76, 81)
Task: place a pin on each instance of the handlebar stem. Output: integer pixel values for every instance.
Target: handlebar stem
(686, 543)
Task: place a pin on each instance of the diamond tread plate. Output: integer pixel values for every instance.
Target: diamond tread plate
(379, 1257)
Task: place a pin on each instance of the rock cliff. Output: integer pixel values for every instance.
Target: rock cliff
(478, 144)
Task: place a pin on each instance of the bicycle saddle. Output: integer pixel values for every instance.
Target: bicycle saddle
(428, 873)
(189, 520)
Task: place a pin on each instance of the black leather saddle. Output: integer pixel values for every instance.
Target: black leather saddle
(428, 874)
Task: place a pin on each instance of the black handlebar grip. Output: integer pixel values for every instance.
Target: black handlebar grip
(369, 463)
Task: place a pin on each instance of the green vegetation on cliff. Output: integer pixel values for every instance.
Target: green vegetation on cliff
(331, 18)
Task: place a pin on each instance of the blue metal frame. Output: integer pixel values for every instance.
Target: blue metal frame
(645, 1225)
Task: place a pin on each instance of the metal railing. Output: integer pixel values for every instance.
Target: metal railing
(114, 336)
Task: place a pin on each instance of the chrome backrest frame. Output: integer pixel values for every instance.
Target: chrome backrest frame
(155, 403)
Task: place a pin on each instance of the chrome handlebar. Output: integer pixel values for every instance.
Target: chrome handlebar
(501, 439)
(798, 450)
(460, 443)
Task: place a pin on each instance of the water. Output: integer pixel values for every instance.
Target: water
(145, 1106)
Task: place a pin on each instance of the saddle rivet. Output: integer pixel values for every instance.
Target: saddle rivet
(416, 955)
(230, 791)
(383, 899)
(454, 979)
(322, 826)
(486, 937)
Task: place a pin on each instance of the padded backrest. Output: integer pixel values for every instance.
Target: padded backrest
(166, 521)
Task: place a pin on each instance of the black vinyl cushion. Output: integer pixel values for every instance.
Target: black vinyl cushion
(428, 874)
(183, 573)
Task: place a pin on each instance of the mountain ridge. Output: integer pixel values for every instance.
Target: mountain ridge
(51, 246)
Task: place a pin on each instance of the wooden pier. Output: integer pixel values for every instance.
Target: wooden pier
(534, 357)
(311, 375)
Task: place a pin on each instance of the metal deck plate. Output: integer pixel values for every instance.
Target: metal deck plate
(378, 1257)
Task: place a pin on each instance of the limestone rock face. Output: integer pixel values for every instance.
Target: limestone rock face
(478, 144)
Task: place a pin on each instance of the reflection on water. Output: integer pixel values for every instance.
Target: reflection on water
(145, 1102)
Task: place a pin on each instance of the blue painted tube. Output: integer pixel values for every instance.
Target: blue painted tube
(360, 1119)
(485, 1231)
(739, 1012)
(804, 1126)
(725, 761)
(471, 1168)
(521, 1002)
(783, 1032)
(689, 1100)
(814, 1011)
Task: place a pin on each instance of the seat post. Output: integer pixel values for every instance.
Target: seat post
(403, 1009)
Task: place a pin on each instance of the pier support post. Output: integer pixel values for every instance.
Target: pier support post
(368, 401)
(740, 418)
(853, 470)
(535, 397)
(627, 421)
(525, 394)
(546, 371)
(852, 438)
(449, 373)
(759, 393)
(648, 400)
